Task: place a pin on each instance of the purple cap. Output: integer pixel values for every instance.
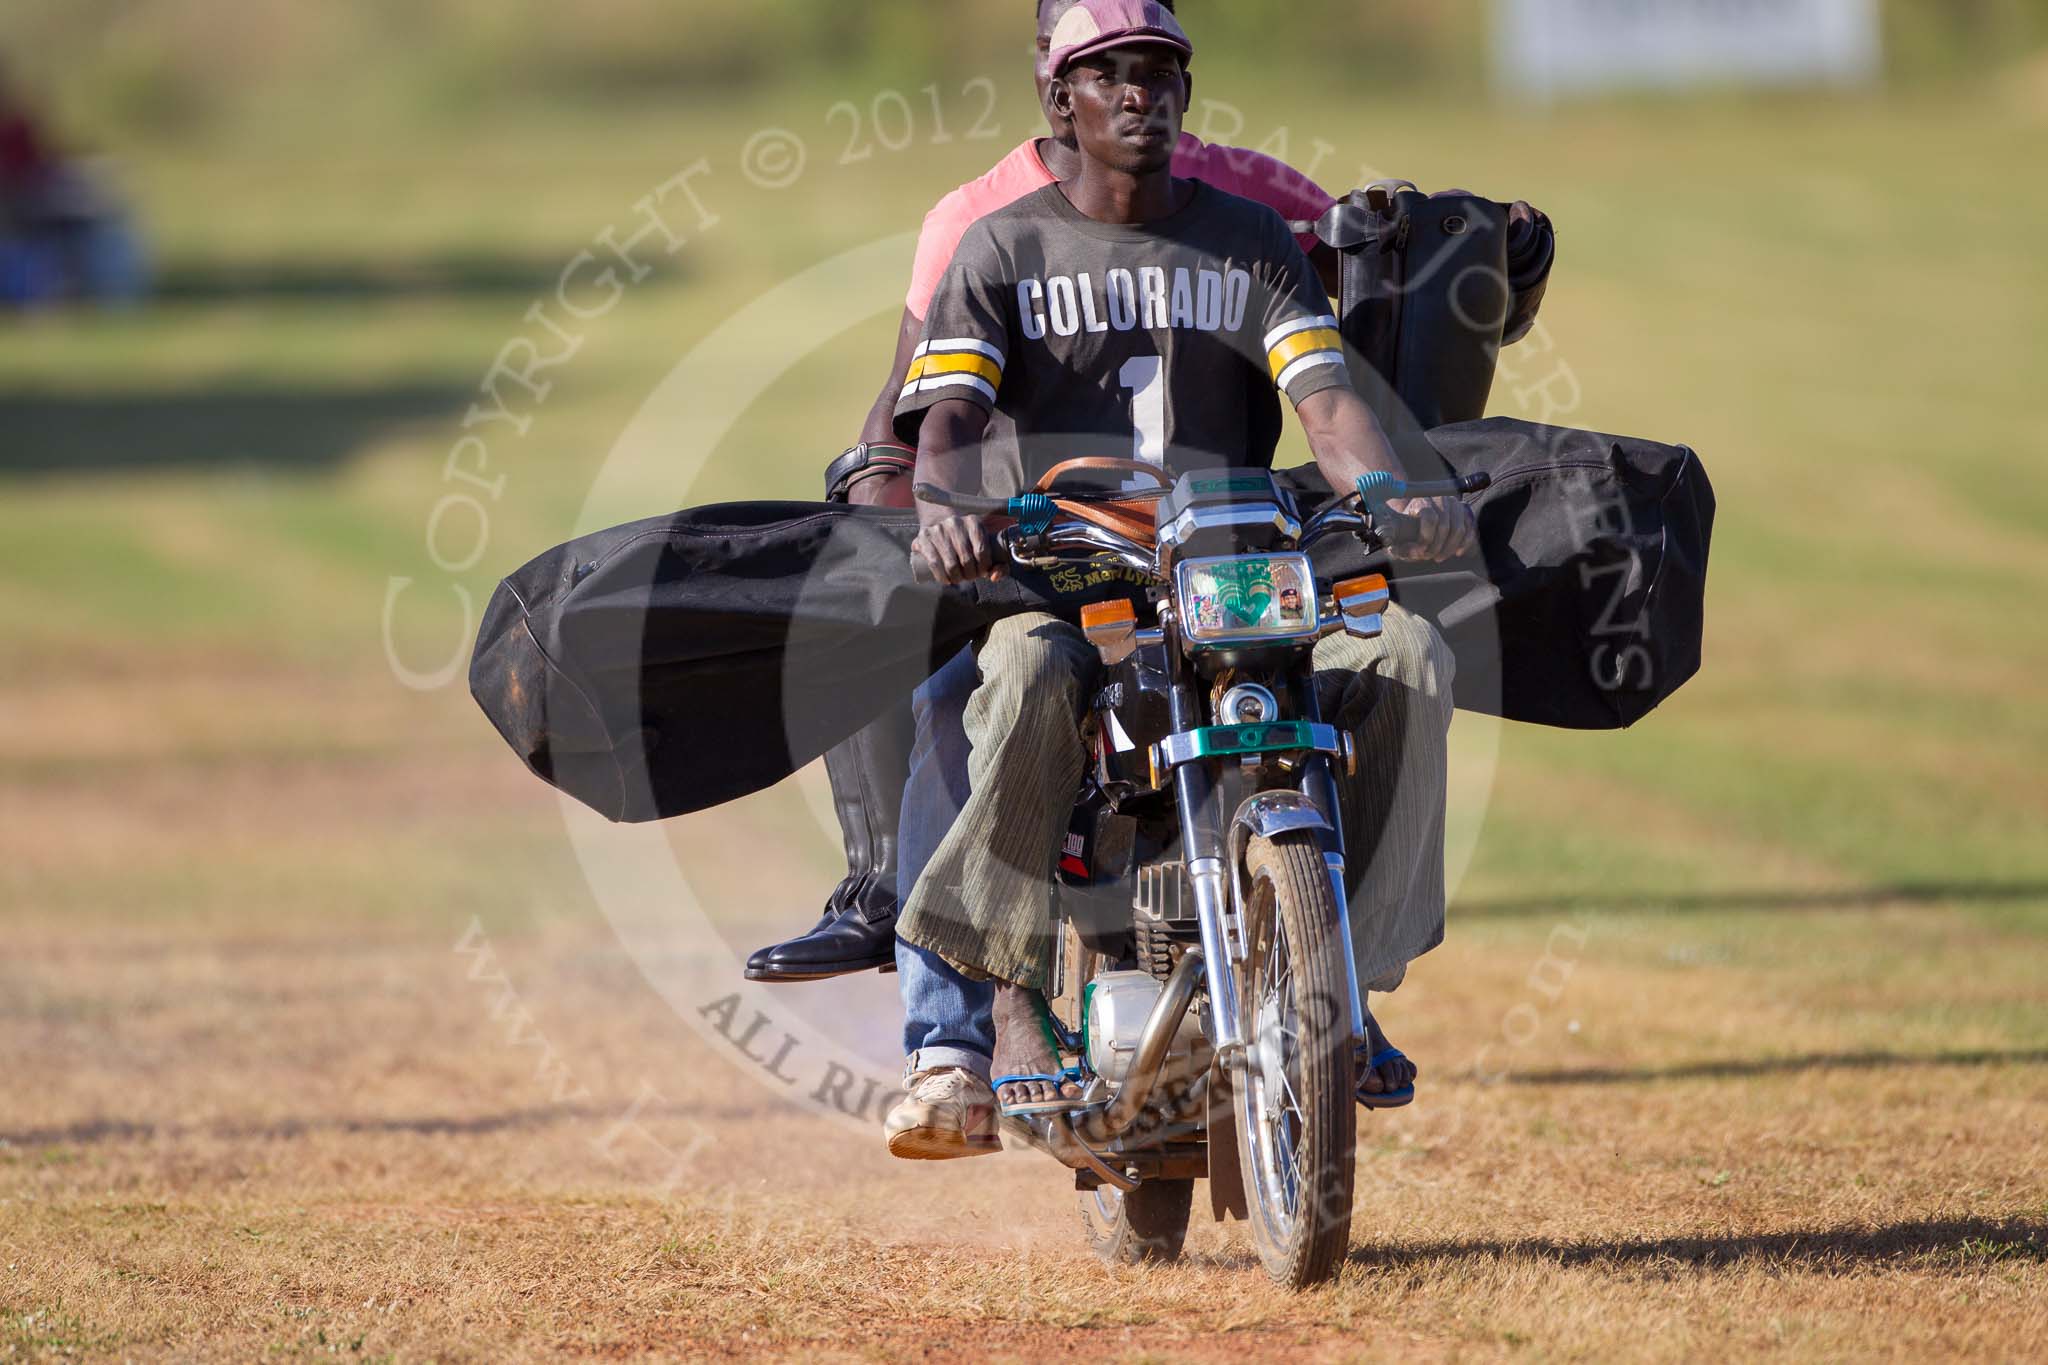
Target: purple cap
(1097, 25)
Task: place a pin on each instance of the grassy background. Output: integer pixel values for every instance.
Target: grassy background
(172, 66)
(234, 849)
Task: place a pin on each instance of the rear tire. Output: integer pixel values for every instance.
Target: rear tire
(1297, 1126)
(1146, 1226)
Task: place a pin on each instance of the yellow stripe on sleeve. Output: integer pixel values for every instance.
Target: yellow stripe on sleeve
(960, 362)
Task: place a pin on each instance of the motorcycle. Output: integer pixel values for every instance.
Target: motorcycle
(1203, 980)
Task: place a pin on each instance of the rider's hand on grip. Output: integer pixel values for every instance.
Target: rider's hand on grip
(957, 550)
(1435, 529)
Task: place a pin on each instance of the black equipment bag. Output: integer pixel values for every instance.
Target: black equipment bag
(1590, 605)
(1430, 288)
(673, 664)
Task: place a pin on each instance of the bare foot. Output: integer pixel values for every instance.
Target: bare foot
(1024, 1047)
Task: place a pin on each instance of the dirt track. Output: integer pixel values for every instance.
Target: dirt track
(470, 1132)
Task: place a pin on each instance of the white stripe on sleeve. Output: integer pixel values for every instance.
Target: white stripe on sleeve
(972, 381)
(965, 344)
(1288, 329)
(1309, 362)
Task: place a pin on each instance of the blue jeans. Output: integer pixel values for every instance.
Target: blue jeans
(948, 1020)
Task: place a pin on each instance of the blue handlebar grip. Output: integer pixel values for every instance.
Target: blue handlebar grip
(1377, 486)
(1033, 511)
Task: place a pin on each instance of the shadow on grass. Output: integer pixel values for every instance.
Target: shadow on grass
(445, 277)
(1957, 1242)
(1737, 1068)
(298, 429)
(93, 1132)
(1846, 898)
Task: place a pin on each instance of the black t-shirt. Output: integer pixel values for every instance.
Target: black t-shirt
(1163, 341)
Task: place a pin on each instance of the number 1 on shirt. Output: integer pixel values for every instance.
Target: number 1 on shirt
(1145, 377)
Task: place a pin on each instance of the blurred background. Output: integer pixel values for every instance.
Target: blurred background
(243, 793)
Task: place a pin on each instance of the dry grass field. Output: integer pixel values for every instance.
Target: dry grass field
(302, 1121)
(315, 1042)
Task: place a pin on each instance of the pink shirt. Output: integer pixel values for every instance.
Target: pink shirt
(1234, 170)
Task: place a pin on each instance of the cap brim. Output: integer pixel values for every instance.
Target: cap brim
(1143, 38)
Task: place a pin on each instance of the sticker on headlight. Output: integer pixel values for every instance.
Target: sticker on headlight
(1230, 598)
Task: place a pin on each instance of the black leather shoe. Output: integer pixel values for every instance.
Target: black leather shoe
(759, 967)
(852, 938)
(858, 929)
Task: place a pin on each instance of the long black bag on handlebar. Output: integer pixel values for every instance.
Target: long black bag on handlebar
(673, 664)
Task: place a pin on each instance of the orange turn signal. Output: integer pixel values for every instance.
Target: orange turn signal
(1362, 602)
(1112, 627)
(1108, 615)
(1367, 594)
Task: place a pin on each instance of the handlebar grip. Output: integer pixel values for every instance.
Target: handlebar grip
(961, 502)
(1444, 488)
(1397, 528)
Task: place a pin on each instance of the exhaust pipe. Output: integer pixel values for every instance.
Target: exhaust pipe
(1154, 1043)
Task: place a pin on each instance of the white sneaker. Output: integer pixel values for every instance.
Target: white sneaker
(948, 1113)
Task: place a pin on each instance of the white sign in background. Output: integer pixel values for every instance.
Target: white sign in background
(1565, 47)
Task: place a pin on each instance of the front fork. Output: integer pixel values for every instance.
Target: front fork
(1202, 843)
(1205, 842)
(1320, 786)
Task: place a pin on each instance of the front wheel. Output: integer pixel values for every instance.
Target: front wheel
(1147, 1225)
(1297, 1128)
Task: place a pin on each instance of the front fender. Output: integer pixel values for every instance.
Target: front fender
(1262, 816)
(1276, 812)
(1283, 812)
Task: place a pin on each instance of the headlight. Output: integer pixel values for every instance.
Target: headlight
(1245, 599)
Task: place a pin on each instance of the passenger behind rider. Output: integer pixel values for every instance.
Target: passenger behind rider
(868, 772)
(997, 391)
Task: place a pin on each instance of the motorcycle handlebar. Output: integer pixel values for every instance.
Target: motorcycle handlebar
(1394, 528)
(1401, 528)
(921, 569)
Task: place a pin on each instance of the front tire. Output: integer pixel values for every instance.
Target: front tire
(1146, 1226)
(1296, 1125)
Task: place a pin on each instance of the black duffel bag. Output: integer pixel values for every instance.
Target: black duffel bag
(673, 664)
(1590, 606)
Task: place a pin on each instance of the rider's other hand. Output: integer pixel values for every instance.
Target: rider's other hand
(958, 549)
(1447, 529)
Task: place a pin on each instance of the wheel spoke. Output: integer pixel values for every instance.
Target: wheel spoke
(1293, 1100)
(1291, 1151)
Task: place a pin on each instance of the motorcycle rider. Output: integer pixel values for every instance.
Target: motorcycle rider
(1055, 315)
(867, 772)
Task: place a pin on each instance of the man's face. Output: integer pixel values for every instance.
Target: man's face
(1126, 105)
